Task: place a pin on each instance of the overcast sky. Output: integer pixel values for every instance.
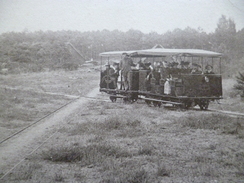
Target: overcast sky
(144, 15)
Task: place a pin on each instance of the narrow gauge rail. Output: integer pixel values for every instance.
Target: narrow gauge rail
(37, 121)
(46, 116)
(164, 76)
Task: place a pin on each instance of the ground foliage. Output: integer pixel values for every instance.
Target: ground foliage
(37, 51)
(240, 83)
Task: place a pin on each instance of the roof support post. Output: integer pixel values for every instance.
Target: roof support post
(101, 58)
(220, 65)
(202, 62)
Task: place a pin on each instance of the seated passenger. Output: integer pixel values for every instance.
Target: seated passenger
(185, 67)
(141, 65)
(113, 76)
(164, 71)
(196, 69)
(209, 70)
(173, 68)
(109, 70)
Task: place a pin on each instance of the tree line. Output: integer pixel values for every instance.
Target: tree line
(37, 51)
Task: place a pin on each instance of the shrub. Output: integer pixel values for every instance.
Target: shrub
(91, 154)
(240, 83)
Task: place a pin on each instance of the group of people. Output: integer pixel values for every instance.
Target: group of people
(162, 69)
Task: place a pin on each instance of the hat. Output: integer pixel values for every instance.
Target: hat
(125, 54)
(184, 63)
(208, 66)
(196, 65)
(147, 64)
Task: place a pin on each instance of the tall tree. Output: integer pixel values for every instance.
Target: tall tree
(225, 35)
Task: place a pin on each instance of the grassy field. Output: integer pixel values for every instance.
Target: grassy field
(107, 143)
(117, 143)
(26, 98)
(231, 100)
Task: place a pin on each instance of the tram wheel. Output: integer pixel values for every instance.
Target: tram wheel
(113, 99)
(148, 102)
(156, 104)
(187, 105)
(204, 104)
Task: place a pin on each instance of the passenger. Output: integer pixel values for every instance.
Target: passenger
(116, 72)
(125, 66)
(167, 87)
(164, 70)
(156, 66)
(174, 68)
(185, 67)
(149, 75)
(111, 80)
(109, 70)
(141, 64)
(209, 70)
(196, 69)
(147, 65)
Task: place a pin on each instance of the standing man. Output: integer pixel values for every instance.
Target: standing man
(125, 67)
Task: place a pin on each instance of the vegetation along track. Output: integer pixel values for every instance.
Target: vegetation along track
(23, 129)
(228, 112)
(44, 117)
(95, 98)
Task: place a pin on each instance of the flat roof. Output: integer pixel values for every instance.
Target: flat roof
(161, 52)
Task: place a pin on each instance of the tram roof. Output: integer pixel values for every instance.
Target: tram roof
(162, 52)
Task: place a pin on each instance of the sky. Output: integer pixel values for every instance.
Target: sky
(91, 15)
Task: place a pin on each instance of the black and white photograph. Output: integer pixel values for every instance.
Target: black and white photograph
(122, 91)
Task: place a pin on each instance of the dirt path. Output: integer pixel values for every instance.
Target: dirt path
(17, 148)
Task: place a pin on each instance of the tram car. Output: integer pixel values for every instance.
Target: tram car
(180, 77)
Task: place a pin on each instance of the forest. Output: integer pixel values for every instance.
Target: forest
(51, 50)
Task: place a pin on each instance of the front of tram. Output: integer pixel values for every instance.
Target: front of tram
(109, 73)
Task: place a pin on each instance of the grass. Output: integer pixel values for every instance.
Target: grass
(24, 98)
(226, 124)
(134, 176)
(25, 172)
(91, 154)
(185, 150)
(115, 143)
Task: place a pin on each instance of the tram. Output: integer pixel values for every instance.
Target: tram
(180, 77)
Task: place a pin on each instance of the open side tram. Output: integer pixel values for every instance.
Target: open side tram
(169, 79)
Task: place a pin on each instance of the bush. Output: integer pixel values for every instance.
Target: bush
(240, 83)
(91, 154)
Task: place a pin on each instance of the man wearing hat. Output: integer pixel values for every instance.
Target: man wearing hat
(209, 70)
(125, 67)
(196, 69)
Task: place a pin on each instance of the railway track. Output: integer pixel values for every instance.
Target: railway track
(231, 113)
(238, 114)
(30, 125)
(90, 98)
(44, 117)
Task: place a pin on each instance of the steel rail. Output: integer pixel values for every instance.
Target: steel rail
(42, 118)
(30, 125)
(227, 112)
(100, 99)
